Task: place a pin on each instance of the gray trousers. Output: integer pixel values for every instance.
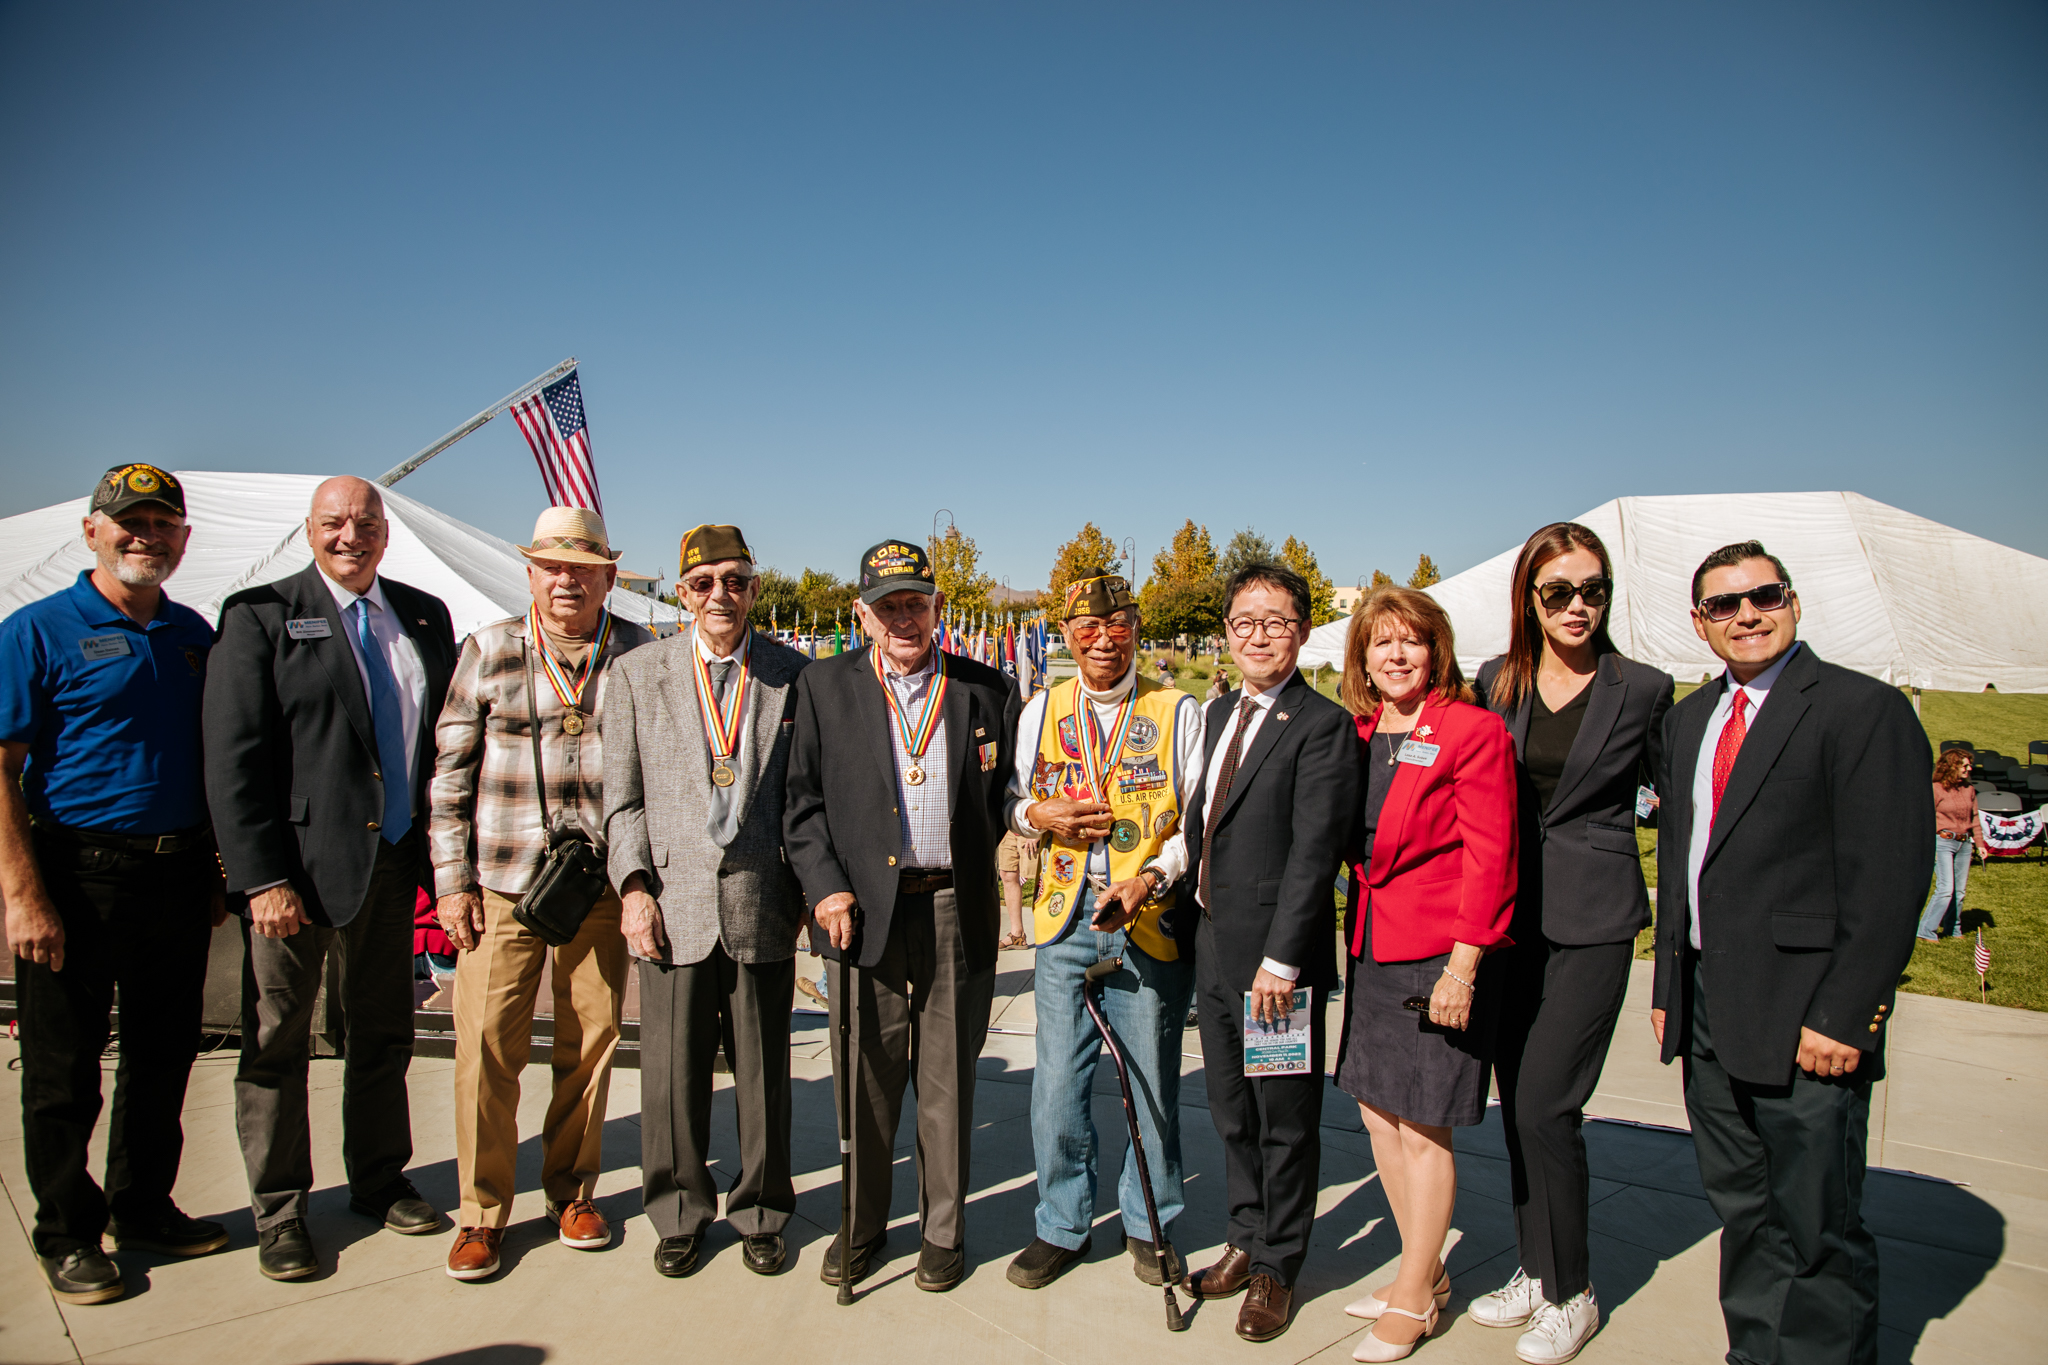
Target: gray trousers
(923, 1017)
(280, 980)
(685, 1011)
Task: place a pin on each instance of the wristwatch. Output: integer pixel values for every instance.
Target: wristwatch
(1156, 883)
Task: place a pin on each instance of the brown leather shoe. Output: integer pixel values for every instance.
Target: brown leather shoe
(475, 1253)
(583, 1227)
(1223, 1279)
(1267, 1304)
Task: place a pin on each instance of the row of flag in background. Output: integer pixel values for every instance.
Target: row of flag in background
(558, 431)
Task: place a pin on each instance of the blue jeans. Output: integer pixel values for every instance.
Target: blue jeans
(1147, 1007)
(1951, 875)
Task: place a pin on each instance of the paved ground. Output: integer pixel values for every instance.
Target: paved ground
(1965, 1266)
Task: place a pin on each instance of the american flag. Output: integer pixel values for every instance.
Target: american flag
(552, 421)
(1983, 956)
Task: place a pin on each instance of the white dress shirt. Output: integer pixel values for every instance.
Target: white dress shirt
(1172, 859)
(400, 653)
(1759, 691)
(738, 656)
(926, 820)
(1262, 703)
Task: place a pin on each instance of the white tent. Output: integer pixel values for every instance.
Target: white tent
(1883, 592)
(250, 528)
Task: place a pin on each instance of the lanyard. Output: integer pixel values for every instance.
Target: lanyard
(722, 729)
(918, 738)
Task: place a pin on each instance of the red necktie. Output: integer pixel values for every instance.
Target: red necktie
(1730, 744)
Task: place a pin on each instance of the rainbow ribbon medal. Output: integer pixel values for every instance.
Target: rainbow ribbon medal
(722, 731)
(1100, 767)
(917, 740)
(570, 691)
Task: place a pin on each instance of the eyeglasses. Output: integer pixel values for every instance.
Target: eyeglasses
(1272, 627)
(734, 584)
(1557, 596)
(1087, 630)
(1722, 606)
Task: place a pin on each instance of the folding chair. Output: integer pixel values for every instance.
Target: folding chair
(2036, 746)
(1948, 744)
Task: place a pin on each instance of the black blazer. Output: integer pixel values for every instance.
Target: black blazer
(1814, 874)
(291, 752)
(1272, 888)
(840, 822)
(1580, 878)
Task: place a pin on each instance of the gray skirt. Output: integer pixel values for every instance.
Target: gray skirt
(1393, 1058)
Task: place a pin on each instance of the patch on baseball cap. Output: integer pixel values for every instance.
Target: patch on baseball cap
(893, 566)
(123, 486)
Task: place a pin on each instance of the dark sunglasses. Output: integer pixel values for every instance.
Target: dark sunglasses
(734, 584)
(1722, 606)
(1557, 596)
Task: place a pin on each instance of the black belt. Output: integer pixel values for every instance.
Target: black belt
(183, 841)
(919, 881)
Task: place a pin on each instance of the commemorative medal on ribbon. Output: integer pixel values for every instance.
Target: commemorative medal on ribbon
(1099, 760)
(722, 727)
(569, 690)
(916, 738)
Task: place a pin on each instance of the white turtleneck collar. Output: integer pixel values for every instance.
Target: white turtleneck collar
(1116, 691)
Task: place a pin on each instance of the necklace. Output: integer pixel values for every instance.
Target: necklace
(916, 739)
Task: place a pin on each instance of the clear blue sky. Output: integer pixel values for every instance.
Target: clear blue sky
(1390, 277)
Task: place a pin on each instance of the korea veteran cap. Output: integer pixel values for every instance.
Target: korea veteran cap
(1097, 592)
(121, 487)
(711, 544)
(893, 566)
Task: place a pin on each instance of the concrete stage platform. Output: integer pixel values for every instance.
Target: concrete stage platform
(1965, 1265)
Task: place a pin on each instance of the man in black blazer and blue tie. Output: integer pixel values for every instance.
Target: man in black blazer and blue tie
(1266, 834)
(1794, 852)
(320, 706)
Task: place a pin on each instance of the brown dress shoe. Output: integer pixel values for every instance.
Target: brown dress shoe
(475, 1253)
(1224, 1278)
(583, 1227)
(1267, 1304)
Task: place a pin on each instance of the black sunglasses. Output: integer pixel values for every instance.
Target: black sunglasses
(1764, 597)
(734, 584)
(1558, 596)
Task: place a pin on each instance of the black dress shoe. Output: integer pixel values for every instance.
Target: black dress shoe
(865, 1254)
(1145, 1262)
(940, 1268)
(82, 1276)
(676, 1257)
(1039, 1264)
(399, 1208)
(176, 1235)
(285, 1252)
(763, 1252)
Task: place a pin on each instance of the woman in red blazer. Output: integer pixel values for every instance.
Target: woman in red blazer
(1433, 889)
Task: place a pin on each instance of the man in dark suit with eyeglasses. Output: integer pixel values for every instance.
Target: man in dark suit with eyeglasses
(1795, 847)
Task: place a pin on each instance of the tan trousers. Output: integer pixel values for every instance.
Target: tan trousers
(496, 984)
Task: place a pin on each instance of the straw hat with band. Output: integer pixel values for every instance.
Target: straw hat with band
(570, 535)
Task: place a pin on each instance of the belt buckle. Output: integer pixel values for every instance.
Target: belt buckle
(161, 840)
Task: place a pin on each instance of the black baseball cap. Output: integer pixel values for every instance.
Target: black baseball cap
(123, 486)
(893, 566)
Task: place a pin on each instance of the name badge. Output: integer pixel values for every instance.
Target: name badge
(98, 647)
(1420, 754)
(1646, 802)
(311, 628)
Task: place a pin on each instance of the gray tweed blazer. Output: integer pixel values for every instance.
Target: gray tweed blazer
(657, 783)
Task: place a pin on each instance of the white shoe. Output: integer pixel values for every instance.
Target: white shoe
(1371, 1306)
(1513, 1304)
(1560, 1330)
(1376, 1352)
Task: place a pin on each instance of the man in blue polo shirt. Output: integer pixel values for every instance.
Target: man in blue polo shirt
(108, 872)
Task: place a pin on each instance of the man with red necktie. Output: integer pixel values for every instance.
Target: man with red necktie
(1792, 858)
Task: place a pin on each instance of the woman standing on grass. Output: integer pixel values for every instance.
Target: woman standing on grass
(1956, 827)
(1587, 725)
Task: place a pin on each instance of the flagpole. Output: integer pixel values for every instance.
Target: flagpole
(519, 394)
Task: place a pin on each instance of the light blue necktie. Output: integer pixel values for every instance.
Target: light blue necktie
(390, 727)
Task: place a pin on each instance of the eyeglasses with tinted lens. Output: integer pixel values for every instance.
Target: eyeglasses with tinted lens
(1087, 631)
(1272, 627)
(734, 584)
(1722, 606)
(1557, 596)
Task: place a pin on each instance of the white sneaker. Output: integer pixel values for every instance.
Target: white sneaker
(1560, 1330)
(1513, 1304)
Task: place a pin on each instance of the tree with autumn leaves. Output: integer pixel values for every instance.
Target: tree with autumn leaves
(956, 568)
(1089, 549)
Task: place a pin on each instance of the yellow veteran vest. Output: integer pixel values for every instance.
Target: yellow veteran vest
(1143, 798)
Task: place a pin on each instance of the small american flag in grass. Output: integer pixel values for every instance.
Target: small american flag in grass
(1983, 957)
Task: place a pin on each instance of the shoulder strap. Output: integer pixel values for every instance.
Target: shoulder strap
(533, 728)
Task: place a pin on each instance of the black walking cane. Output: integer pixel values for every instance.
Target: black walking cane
(849, 1004)
(1091, 987)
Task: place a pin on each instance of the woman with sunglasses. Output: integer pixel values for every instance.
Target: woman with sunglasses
(1955, 828)
(1587, 728)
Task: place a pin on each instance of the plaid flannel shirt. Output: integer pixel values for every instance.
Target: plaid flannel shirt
(484, 827)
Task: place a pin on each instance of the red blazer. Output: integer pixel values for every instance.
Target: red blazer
(1444, 854)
